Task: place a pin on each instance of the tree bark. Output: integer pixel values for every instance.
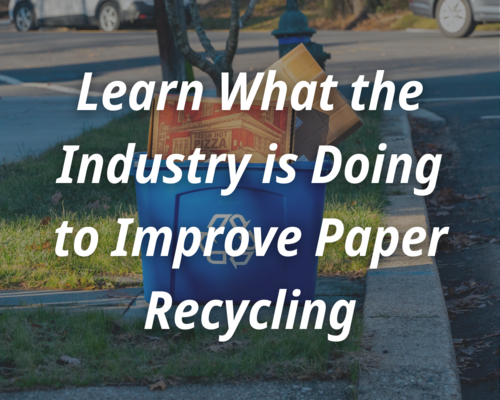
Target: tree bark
(248, 13)
(172, 61)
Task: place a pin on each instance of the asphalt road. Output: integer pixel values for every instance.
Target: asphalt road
(64, 56)
(471, 165)
(42, 114)
(461, 83)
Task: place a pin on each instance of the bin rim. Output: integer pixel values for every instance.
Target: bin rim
(300, 165)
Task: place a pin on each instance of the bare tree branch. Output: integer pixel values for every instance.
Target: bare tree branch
(182, 42)
(248, 13)
(234, 30)
(198, 26)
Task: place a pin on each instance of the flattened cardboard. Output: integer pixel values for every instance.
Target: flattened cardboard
(314, 127)
(216, 131)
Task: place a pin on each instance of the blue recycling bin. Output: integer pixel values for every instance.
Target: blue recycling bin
(253, 204)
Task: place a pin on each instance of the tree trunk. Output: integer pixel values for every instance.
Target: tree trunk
(220, 62)
(173, 64)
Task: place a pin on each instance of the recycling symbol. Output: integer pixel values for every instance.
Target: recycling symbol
(220, 256)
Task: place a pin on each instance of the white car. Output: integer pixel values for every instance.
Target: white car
(457, 18)
(106, 14)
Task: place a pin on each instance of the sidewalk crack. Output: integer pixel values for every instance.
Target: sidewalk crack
(132, 302)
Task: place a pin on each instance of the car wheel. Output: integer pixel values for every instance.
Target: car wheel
(24, 18)
(454, 18)
(109, 17)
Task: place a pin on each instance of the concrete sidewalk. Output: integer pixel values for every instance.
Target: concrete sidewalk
(406, 324)
(339, 390)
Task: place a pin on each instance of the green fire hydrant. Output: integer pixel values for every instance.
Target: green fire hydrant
(293, 30)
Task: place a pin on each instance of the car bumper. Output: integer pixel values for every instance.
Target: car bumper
(138, 11)
(421, 9)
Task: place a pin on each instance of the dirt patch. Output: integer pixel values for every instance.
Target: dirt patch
(322, 23)
(380, 21)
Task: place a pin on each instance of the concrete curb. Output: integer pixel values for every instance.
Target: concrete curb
(406, 324)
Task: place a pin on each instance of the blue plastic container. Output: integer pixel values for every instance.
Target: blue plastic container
(299, 204)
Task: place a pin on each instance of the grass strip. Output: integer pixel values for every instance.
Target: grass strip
(33, 206)
(112, 351)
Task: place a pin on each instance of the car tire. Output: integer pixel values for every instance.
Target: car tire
(454, 18)
(24, 17)
(108, 17)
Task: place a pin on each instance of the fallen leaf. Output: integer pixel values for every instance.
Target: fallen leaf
(448, 195)
(96, 205)
(173, 382)
(497, 333)
(114, 327)
(469, 350)
(470, 286)
(474, 197)
(492, 376)
(118, 295)
(124, 337)
(461, 241)
(442, 213)
(153, 338)
(45, 221)
(478, 221)
(227, 346)
(466, 304)
(56, 198)
(160, 385)
(66, 360)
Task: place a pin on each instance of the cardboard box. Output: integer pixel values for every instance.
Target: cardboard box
(314, 127)
(215, 131)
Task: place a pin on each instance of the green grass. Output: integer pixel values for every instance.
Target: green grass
(410, 20)
(113, 351)
(27, 236)
(488, 27)
(355, 205)
(28, 217)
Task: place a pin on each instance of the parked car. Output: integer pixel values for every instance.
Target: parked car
(106, 14)
(457, 18)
